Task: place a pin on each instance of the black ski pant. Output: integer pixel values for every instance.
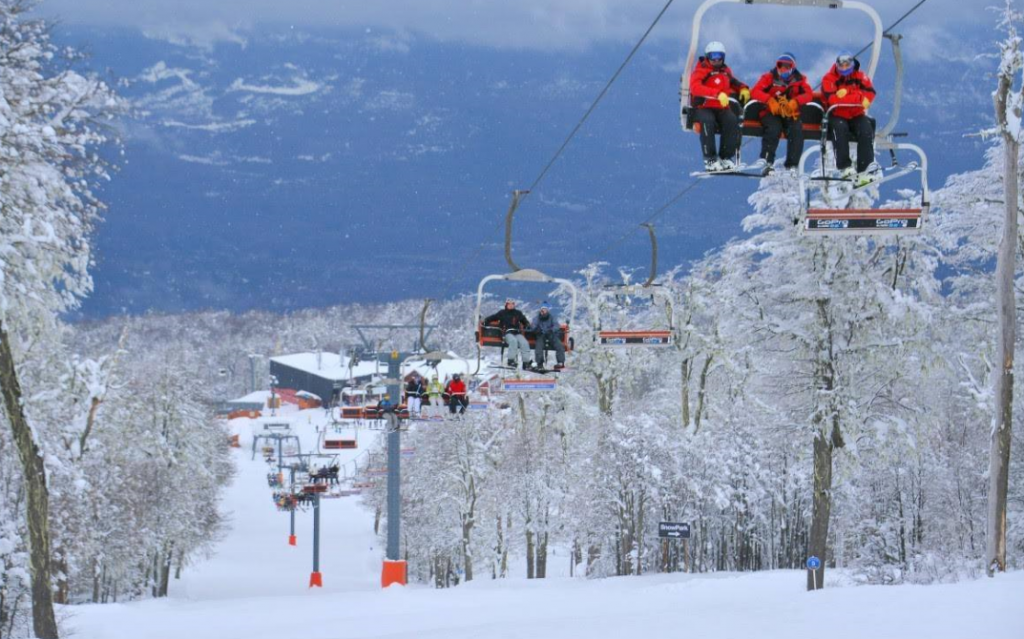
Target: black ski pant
(543, 341)
(714, 121)
(839, 131)
(458, 403)
(773, 127)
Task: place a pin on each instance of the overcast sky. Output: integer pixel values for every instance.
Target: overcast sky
(541, 24)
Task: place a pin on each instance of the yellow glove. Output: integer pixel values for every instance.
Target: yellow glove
(744, 95)
(723, 99)
(865, 103)
(841, 93)
(791, 109)
(774, 107)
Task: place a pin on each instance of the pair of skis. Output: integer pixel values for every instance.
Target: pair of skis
(756, 171)
(740, 170)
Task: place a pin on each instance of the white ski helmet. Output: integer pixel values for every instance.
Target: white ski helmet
(714, 47)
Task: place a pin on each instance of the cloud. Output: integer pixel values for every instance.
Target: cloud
(202, 35)
(573, 207)
(300, 86)
(212, 127)
(546, 24)
(211, 160)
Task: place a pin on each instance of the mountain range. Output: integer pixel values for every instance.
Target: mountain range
(308, 167)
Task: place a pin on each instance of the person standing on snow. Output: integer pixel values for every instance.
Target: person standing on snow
(850, 90)
(513, 324)
(783, 91)
(549, 332)
(711, 86)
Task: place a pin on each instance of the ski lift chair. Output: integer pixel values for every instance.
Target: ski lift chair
(643, 338)
(901, 221)
(687, 103)
(826, 220)
(285, 501)
(491, 336)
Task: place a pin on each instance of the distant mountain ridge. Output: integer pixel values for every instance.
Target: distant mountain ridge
(309, 169)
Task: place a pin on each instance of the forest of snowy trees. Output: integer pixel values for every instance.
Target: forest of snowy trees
(824, 396)
(885, 347)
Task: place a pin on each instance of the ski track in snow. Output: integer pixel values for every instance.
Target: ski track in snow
(255, 587)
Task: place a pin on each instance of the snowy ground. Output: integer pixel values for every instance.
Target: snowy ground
(255, 587)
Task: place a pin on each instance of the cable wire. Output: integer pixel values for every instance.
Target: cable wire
(660, 210)
(600, 96)
(616, 243)
(547, 167)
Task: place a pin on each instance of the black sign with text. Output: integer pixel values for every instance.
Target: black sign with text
(673, 530)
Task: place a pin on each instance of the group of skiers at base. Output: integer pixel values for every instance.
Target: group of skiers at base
(783, 91)
(420, 393)
(514, 326)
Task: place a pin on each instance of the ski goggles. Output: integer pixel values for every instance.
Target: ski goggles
(844, 61)
(716, 57)
(783, 65)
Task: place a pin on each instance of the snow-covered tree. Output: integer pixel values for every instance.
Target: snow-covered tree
(50, 130)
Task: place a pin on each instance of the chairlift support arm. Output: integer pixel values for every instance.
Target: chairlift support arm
(517, 195)
(654, 254)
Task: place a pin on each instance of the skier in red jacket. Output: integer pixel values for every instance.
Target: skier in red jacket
(711, 86)
(458, 399)
(783, 91)
(846, 85)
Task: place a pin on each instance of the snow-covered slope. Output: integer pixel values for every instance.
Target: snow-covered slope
(255, 587)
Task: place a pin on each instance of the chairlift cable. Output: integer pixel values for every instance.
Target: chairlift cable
(600, 96)
(657, 213)
(476, 254)
(885, 32)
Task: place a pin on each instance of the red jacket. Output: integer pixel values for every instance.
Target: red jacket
(707, 82)
(455, 387)
(858, 86)
(772, 86)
